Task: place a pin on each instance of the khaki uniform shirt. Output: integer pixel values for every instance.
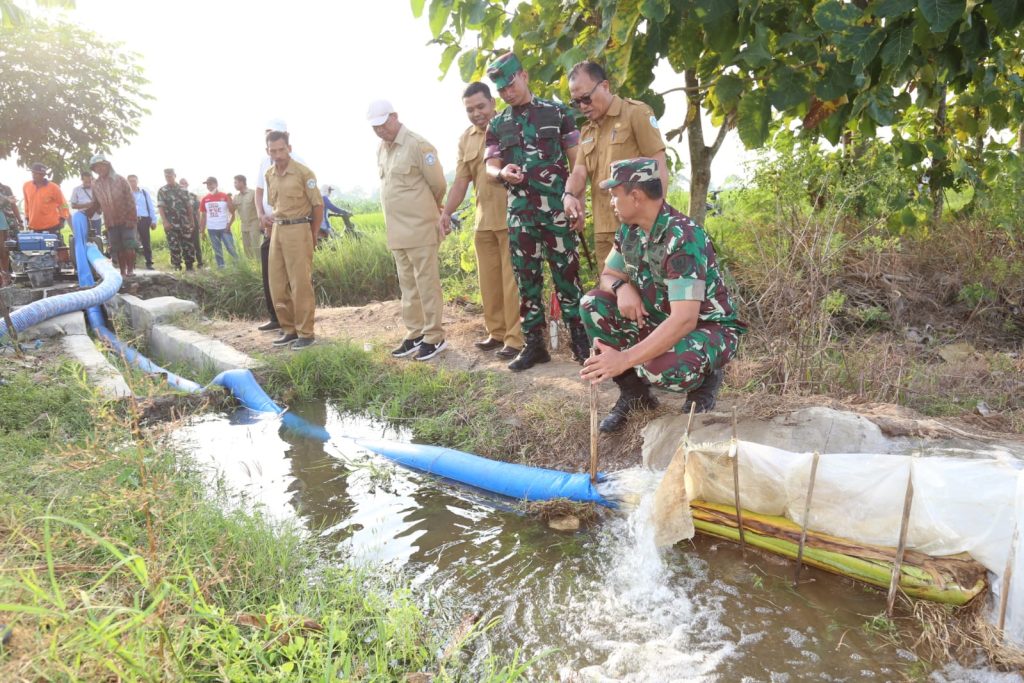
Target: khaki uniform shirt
(294, 193)
(491, 197)
(245, 204)
(412, 186)
(628, 129)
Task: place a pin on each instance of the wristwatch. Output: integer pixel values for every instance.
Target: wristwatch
(615, 285)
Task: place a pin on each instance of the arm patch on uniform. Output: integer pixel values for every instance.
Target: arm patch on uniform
(685, 289)
(430, 159)
(654, 121)
(311, 183)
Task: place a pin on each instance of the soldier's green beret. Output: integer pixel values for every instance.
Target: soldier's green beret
(503, 69)
(636, 170)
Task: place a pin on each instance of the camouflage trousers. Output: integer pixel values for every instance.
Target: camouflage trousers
(181, 246)
(531, 246)
(680, 369)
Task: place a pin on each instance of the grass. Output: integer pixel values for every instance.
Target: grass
(118, 563)
(472, 411)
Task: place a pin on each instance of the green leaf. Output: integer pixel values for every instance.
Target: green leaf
(720, 19)
(787, 88)
(727, 91)
(860, 45)
(898, 44)
(886, 9)
(942, 14)
(836, 81)
(834, 15)
(447, 57)
(467, 64)
(417, 8)
(655, 10)
(1009, 12)
(754, 118)
(755, 54)
(439, 12)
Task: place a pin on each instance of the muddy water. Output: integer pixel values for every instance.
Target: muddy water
(607, 604)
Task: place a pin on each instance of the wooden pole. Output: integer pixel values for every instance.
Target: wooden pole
(689, 421)
(1004, 592)
(593, 430)
(901, 546)
(734, 453)
(807, 515)
(11, 332)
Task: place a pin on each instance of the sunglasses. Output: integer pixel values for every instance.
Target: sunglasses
(586, 99)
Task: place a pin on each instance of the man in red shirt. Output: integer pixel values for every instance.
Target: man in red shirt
(45, 206)
(216, 214)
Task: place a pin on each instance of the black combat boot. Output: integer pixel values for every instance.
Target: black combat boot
(634, 393)
(533, 352)
(706, 394)
(580, 343)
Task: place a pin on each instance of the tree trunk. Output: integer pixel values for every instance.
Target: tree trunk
(938, 168)
(701, 155)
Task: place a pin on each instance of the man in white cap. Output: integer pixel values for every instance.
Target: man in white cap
(411, 192)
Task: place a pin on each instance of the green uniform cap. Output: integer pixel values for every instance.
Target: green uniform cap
(503, 69)
(636, 170)
(168, 171)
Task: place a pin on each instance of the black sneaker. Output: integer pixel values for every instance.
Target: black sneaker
(268, 326)
(303, 343)
(428, 351)
(408, 347)
(285, 339)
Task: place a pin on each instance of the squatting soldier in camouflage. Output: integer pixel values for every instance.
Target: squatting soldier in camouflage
(528, 147)
(662, 313)
(175, 206)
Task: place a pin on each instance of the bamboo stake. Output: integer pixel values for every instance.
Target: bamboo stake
(11, 332)
(894, 579)
(734, 453)
(593, 430)
(1004, 592)
(807, 515)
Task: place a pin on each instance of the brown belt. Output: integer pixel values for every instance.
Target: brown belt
(292, 221)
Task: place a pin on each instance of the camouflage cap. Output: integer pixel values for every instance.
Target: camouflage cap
(503, 69)
(637, 170)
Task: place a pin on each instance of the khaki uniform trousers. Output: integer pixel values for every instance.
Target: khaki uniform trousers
(498, 288)
(603, 243)
(291, 278)
(419, 278)
(251, 240)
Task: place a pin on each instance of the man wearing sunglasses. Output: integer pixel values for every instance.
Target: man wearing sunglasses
(529, 147)
(617, 129)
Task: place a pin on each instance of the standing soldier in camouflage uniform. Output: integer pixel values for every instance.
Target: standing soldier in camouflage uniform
(197, 246)
(616, 129)
(179, 221)
(662, 313)
(529, 147)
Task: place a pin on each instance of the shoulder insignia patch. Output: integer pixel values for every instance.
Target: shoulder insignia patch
(311, 183)
(654, 121)
(430, 159)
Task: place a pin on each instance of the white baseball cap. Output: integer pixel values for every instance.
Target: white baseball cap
(277, 124)
(378, 112)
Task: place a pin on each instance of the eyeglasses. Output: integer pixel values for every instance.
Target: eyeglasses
(586, 99)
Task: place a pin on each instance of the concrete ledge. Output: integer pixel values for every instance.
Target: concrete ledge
(104, 376)
(171, 343)
(62, 325)
(145, 313)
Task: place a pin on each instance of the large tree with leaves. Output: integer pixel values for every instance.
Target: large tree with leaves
(833, 66)
(65, 93)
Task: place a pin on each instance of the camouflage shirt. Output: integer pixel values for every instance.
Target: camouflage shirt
(177, 205)
(676, 262)
(10, 209)
(534, 136)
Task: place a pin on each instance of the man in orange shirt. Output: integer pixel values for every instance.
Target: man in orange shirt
(46, 210)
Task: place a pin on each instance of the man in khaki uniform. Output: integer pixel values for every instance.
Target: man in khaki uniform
(298, 209)
(498, 288)
(617, 129)
(245, 205)
(412, 187)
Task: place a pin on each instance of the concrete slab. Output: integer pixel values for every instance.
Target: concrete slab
(98, 369)
(22, 295)
(62, 325)
(810, 429)
(144, 313)
(170, 343)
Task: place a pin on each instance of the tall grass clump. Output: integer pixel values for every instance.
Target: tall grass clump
(119, 562)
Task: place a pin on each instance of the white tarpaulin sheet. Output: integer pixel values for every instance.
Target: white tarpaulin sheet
(960, 504)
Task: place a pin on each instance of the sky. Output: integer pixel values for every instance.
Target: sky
(220, 69)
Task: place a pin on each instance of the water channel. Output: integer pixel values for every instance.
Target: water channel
(601, 601)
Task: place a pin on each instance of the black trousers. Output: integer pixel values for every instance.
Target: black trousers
(144, 226)
(265, 271)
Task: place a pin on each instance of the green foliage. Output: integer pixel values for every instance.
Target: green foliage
(65, 94)
(975, 293)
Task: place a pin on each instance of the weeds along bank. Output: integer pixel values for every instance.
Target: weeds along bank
(118, 561)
